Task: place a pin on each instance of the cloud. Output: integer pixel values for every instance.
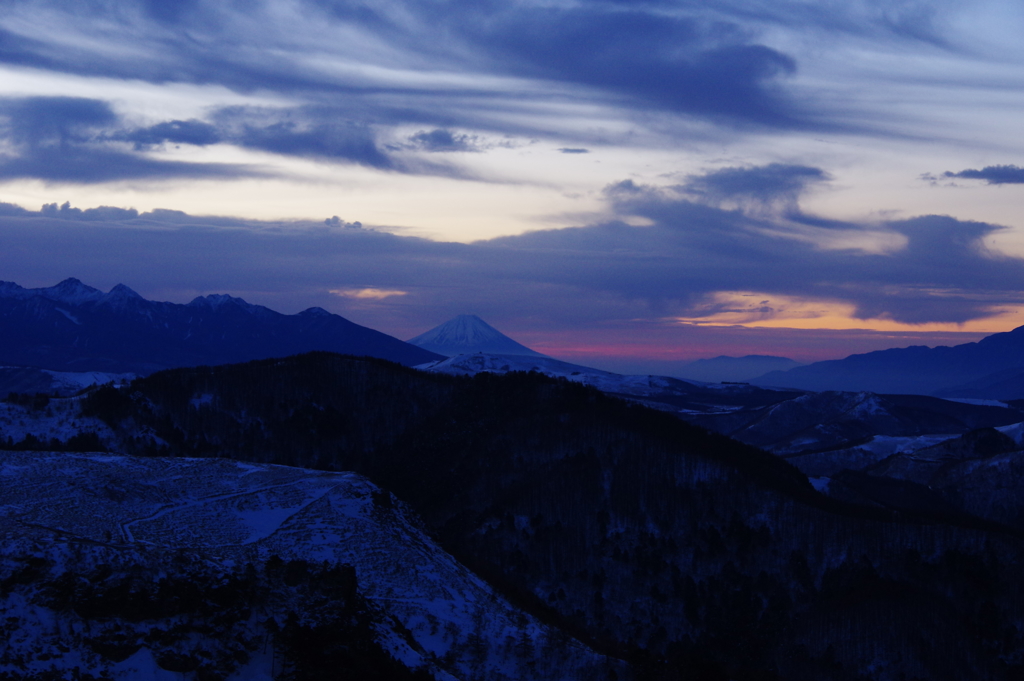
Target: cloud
(702, 61)
(192, 131)
(335, 221)
(67, 139)
(83, 140)
(674, 266)
(99, 214)
(351, 79)
(677, 62)
(772, 184)
(368, 293)
(12, 210)
(1008, 174)
(443, 140)
(303, 132)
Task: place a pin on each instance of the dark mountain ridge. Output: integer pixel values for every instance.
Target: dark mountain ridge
(74, 327)
(693, 555)
(917, 369)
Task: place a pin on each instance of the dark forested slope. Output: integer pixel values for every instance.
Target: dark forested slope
(693, 555)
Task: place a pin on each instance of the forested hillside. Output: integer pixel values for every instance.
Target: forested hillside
(690, 554)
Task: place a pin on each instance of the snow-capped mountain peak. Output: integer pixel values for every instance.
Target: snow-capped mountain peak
(468, 333)
(121, 292)
(218, 301)
(8, 289)
(71, 291)
(73, 327)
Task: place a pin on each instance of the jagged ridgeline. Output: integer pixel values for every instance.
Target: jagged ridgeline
(691, 555)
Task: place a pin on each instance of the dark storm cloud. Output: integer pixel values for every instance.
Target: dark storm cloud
(671, 266)
(66, 139)
(1008, 174)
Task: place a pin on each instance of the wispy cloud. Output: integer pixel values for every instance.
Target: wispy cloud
(1007, 174)
(68, 139)
(440, 139)
(368, 293)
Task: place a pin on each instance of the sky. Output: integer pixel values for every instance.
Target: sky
(626, 184)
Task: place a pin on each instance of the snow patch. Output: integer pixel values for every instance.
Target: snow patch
(70, 316)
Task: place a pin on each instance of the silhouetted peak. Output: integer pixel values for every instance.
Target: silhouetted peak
(8, 289)
(216, 301)
(315, 312)
(71, 291)
(122, 291)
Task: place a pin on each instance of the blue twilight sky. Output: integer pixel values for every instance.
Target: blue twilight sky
(623, 183)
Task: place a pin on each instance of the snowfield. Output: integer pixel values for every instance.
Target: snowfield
(606, 381)
(60, 419)
(80, 512)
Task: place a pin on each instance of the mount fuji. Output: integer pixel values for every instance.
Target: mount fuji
(468, 334)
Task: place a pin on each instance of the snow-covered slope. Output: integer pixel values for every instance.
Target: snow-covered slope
(605, 381)
(30, 380)
(58, 419)
(73, 516)
(468, 333)
(660, 392)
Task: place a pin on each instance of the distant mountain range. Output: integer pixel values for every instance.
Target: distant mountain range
(74, 327)
(466, 334)
(743, 369)
(981, 370)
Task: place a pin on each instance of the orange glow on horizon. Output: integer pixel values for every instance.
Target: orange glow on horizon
(762, 311)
